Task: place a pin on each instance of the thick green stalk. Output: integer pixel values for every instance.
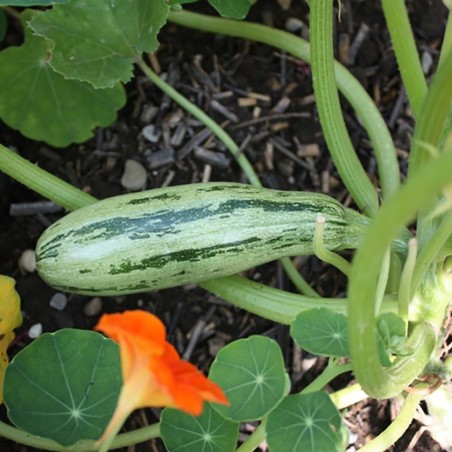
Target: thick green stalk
(418, 193)
(275, 304)
(123, 440)
(447, 41)
(397, 427)
(224, 137)
(349, 86)
(329, 109)
(406, 53)
(42, 182)
(428, 132)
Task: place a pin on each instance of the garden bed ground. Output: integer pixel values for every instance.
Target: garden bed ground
(263, 98)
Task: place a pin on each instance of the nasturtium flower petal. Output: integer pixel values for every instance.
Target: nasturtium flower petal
(10, 318)
(153, 373)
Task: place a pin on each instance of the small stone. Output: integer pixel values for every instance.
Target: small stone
(212, 158)
(27, 261)
(150, 134)
(294, 24)
(35, 331)
(93, 307)
(58, 301)
(426, 61)
(160, 158)
(135, 176)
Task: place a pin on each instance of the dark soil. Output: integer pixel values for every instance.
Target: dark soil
(263, 98)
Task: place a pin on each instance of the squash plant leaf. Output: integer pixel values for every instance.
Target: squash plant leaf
(321, 331)
(10, 318)
(69, 384)
(31, 2)
(307, 422)
(42, 104)
(234, 9)
(391, 337)
(252, 375)
(208, 432)
(96, 41)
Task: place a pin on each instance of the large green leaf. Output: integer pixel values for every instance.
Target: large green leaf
(252, 375)
(321, 331)
(235, 9)
(306, 422)
(64, 385)
(45, 106)
(96, 41)
(31, 2)
(209, 432)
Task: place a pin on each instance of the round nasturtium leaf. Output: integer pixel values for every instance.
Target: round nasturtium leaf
(45, 106)
(321, 331)
(307, 422)
(208, 432)
(252, 375)
(64, 385)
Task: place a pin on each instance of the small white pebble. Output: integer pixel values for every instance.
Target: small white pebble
(58, 301)
(35, 331)
(93, 307)
(294, 24)
(150, 134)
(134, 176)
(27, 261)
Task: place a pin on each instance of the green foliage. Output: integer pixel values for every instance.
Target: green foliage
(251, 373)
(321, 331)
(64, 386)
(42, 104)
(97, 41)
(208, 432)
(307, 422)
(235, 9)
(28, 3)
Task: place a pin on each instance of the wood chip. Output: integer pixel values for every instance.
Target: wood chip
(247, 101)
(308, 150)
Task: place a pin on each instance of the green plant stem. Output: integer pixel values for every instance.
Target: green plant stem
(348, 396)
(406, 281)
(447, 40)
(253, 441)
(224, 137)
(417, 194)
(329, 109)
(402, 37)
(331, 371)
(275, 304)
(122, 440)
(397, 428)
(205, 119)
(349, 86)
(42, 182)
(323, 253)
(428, 133)
(382, 281)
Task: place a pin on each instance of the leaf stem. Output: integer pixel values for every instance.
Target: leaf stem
(253, 441)
(331, 371)
(397, 428)
(323, 253)
(38, 442)
(402, 37)
(406, 281)
(329, 109)
(41, 181)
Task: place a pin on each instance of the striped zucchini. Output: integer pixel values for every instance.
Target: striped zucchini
(173, 236)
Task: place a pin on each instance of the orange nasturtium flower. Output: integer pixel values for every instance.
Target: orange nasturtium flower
(153, 373)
